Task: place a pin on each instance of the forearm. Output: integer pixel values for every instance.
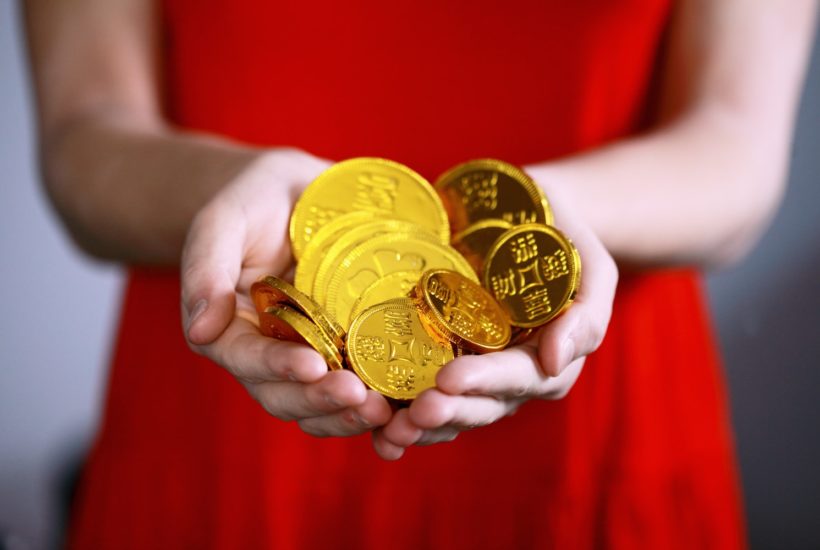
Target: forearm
(699, 187)
(126, 184)
(698, 191)
(129, 191)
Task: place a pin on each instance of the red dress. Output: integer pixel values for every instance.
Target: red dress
(639, 455)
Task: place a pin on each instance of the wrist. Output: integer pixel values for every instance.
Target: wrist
(562, 193)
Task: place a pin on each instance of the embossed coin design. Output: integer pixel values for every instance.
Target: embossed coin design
(338, 251)
(390, 350)
(317, 248)
(491, 189)
(462, 310)
(285, 323)
(272, 291)
(475, 242)
(380, 256)
(391, 286)
(534, 272)
(384, 188)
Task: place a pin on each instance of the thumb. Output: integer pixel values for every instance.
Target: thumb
(211, 263)
(581, 329)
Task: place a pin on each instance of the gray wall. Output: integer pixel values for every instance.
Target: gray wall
(59, 312)
(767, 312)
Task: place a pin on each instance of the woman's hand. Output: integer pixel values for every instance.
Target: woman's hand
(240, 234)
(477, 390)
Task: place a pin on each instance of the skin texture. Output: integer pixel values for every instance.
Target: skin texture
(129, 187)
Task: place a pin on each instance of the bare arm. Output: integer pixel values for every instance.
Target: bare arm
(701, 186)
(131, 188)
(125, 183)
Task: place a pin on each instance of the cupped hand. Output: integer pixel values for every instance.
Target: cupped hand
(241, 234)
(477, 390)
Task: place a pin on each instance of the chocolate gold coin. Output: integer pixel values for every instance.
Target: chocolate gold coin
(533, 271)
(317, 248)
(272, 291)
(390, 350)
(390, 287)
(381, 256)
(462, 310)
(475, 242)
(338, 251)
(491, 189)
(285, 323)
(520, 335)
(381, 187)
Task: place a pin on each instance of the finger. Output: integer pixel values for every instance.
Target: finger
(374, 412)
(390, 451)
(434, 409)
(254, 358)
(581, 329)
(211, 262)
(334, 392)
(514, 373)
(439, 435)
(511, 373)
(384, 448)
(400, 431)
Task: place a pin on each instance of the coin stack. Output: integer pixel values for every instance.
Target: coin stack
(381, 288)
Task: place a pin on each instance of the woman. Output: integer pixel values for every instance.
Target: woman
(179, 133)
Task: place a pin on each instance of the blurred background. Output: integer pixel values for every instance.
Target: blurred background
(58, 314)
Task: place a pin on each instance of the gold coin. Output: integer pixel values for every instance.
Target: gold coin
(462, 310)
(390, 287)
(491, 189)
(520, 335)
(338, 251)
(390, 350)
(316, 249)
(380, 256)
(285, 323)
(534, 272)
(475, 241)
(384, 188)
(271, 291)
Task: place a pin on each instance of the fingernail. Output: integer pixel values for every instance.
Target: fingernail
(197, 310)
(567, 352)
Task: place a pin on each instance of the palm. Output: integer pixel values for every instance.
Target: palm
(239, 236)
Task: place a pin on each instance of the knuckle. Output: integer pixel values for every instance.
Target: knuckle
(350, 418)
(193, 275)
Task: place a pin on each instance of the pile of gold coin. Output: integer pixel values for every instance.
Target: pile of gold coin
(395, 277)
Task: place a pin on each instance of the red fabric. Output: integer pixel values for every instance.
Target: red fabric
(639, 455)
